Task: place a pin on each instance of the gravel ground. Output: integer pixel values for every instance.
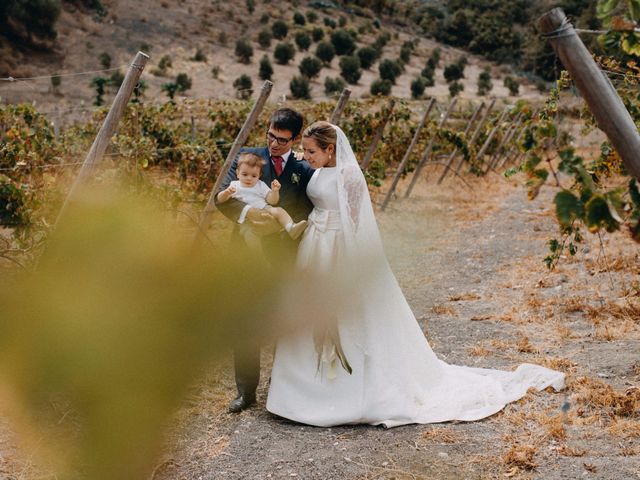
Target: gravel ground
(470, 264)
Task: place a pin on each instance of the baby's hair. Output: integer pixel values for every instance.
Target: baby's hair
(250, 160)
(323, 133)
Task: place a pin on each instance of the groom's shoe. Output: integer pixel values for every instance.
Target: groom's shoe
(241, 402)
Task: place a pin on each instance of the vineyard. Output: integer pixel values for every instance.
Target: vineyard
(513, 222)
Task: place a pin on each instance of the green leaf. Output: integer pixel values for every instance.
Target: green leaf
(598, 214)
(568, 207)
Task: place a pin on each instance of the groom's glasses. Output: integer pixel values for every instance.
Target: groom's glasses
(281, 141)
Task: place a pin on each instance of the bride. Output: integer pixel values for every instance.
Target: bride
(372, 363)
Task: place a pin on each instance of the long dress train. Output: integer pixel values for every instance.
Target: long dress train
(396, 378)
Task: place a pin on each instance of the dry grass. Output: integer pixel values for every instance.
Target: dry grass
(442, 435)
(623, 427)
(602, 397)
(525, 347)
(627, 263)
(521, 456)
(443, 310)
(479, 350)
(464, 296)
(567, 451)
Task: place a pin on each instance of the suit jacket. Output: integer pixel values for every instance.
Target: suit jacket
(293, 198)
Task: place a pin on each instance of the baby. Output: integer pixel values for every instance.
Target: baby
(254, 192)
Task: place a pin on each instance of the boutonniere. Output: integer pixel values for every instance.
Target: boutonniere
(295, 178)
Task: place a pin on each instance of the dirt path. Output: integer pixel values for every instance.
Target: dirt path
(470, 266)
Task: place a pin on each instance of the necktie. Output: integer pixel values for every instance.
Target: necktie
(277, 164)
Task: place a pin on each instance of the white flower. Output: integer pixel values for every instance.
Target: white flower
(295, 178)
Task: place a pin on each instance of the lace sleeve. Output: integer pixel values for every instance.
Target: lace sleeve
(355, 188)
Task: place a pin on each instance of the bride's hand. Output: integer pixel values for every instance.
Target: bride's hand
(298, 155)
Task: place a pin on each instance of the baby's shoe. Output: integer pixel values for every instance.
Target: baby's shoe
(297, 229)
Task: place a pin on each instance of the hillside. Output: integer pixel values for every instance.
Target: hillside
(179, 29)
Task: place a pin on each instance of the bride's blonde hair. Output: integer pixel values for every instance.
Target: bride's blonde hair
(323, 133)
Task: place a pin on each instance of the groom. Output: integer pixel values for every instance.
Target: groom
(284, 129)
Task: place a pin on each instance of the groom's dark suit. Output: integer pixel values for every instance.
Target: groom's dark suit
(279, 246)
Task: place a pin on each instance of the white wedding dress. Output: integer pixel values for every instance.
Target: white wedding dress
(396, 378)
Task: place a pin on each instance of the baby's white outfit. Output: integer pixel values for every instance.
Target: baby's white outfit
(252, 196)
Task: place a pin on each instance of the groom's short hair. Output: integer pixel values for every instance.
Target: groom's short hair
(287, 119)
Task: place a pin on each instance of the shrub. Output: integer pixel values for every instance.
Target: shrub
(484, 82)
(183, 81)
(405, 54)
(243, 86)
(343, 42)
(298, 19)
(427, 74)
(116, 79)
(312, 17)
(170, 88)
(56, 81)
(350, 69)
(453, 72)
(434, 58)
(199, 56)
(300, 87)
(389, 70)
(105, 60)
(512, 84)
(342, 21)
(317, 34)
(279, 29)
(266, 70)
(329, 22)
(417, 87)
(215, 71)
(409, 44)
(303, 41)
(244, 51)
(251, 6)
(264, 38)
(367, 56)
(310, 67)
(164, 63)
(455, 88)
(333, 85)
(264, 18)
(222, 38)
(380, 86)
(325, 52)
(284, 52)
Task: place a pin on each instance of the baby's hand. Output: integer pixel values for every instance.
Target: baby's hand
(231, 189)
(275, 185)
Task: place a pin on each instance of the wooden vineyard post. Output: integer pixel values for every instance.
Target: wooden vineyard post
(513, 158)
(427, 151)
(513, 141)
(103, 138)
(486, 143)
(407, 154)
(342, 102)
(602, 99)
(476, 132)
(378, 135)
(452, 156)
(241, 138)
(497, 155)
